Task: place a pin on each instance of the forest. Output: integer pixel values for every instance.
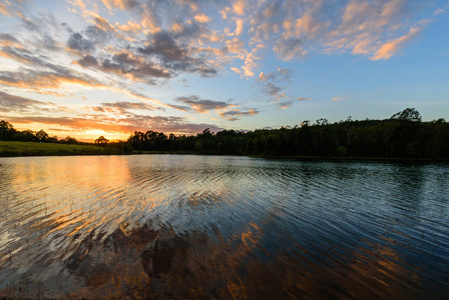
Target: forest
(403, 135)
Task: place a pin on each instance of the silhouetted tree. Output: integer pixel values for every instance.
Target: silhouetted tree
(6, 130)
(42, 136)
(101, 140)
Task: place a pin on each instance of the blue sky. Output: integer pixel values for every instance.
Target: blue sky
(86, 68)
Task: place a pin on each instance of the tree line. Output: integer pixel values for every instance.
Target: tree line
(9, 133)
(403, 135)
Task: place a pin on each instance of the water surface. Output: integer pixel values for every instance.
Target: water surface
(169, 226)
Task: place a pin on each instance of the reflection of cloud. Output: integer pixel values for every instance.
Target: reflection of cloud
(136, 259)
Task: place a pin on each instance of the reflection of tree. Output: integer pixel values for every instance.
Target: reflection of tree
(160, 263)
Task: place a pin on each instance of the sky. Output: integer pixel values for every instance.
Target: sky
(85, 68)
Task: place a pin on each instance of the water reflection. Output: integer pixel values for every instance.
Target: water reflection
(221, 227)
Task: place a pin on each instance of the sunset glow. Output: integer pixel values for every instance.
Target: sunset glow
(85, 68)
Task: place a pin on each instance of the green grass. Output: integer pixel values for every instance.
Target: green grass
(10, 148)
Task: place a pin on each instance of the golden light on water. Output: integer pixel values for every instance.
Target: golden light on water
(169, 226)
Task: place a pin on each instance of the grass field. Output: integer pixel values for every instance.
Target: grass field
(10, 148)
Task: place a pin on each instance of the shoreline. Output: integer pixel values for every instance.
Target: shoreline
(99, 151)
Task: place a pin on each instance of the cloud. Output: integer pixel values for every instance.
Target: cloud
(290, 49)
(373, 29)
(288, 103)
(88, 61)
(13, 103)
(120, 4)
(164, 46)
(339, 98)
(35, 79)
(174, 56)
(239, 26)
(202, 18)
(239, 7)
(130, 124)
(388, 49)
(7, 40)
(128, 46)
(251, 63)
(124, 108)
(438, 11)
(78, 42)
(130, 26)
(274, 83)
(3, 9)
(232, 115)
(135, 68)
(294, 28)
(235, 70)
(197, 104)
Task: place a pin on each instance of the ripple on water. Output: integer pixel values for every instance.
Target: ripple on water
(205, 226)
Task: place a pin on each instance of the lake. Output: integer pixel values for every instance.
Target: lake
(185, 226)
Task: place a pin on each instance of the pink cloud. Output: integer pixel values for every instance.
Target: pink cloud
(388, 49)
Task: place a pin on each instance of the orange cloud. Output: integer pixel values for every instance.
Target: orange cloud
(339, 98)
(202, 18)
(235, 70)
(83, 126)
(3, 9)
(121, 4)
(388, 49)
(130, 26)
(102, 23)
(239, 7)
(239, 27)
(149, 21)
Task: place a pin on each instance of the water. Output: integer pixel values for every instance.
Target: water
(168, 226)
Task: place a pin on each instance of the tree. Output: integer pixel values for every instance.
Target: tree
(5, 130)
(405, 132)
(27, 136)
(408, 114)
(101, 140)
(42, 135)
(70, 140)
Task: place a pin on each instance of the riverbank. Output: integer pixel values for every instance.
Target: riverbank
(17, 149)
(13, 148)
